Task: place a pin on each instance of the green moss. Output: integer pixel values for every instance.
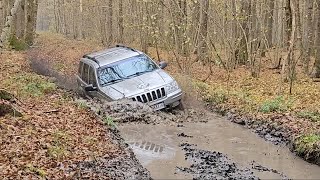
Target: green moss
(109, 122)
(29, 84)
(216, 97)
(210, 95)
(279, 104)
(58, 148)
(40, 172)
(5, 95)
(313, 116)
(308, 146)
(57, 152)
(17, 44)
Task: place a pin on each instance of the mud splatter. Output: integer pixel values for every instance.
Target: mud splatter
(261, 168)
(184, 135)
(212, 165)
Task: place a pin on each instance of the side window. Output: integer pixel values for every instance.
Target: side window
(80, 68)
(92, 77)
(85, 73)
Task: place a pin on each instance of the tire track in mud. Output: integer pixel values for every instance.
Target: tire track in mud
(216, 165)
(124, 166)
(204, 164)
(212, 165)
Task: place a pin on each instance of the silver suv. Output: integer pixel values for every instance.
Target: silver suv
(123, 72)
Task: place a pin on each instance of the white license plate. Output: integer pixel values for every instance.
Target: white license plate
(158, 106)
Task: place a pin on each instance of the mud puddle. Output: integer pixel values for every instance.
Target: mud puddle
(180, 145)
(197, 150)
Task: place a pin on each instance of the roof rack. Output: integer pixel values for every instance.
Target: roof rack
(123, 46)
(91, 58)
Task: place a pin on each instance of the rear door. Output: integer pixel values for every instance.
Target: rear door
(92, 80)
(83, 75)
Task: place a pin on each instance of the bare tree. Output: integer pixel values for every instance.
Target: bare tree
(203, 32)
(110, 22)
(30, 25)
(5, 34)
(316, 73)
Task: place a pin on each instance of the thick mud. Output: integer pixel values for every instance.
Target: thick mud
(123, 166)
(199, 155)
(212, 147)
(127, 111)
(212, 165)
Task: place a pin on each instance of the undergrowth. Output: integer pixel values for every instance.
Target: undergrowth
(308, 146)
(17, 44)
(311, 115)
(58, 148)
(278, 104)
(29, 84)
(40, 172)
(109, 121)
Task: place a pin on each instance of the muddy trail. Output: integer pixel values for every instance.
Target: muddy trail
(179, 144)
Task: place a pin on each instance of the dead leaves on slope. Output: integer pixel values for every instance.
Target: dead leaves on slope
(53, 133)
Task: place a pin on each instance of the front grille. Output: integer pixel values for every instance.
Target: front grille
(150, 96)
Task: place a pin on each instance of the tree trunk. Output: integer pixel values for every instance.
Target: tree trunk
(120, 21)
(242, 51)
(308, 35)
(31, 7)
(316, 73)
(203, 33)
(109, 23)
(269, 17)
(288, 31)
(6, 31)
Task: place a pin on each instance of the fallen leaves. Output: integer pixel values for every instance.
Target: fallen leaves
(53, 131)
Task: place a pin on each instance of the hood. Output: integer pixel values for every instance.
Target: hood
(137, 85)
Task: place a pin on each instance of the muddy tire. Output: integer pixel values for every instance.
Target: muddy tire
(180, 106)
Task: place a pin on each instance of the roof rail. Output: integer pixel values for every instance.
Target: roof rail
(91, 58)
(123, 46)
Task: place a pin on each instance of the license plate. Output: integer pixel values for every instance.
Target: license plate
(158, 106)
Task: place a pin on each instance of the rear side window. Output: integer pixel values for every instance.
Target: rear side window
(85, 73)
(92, 77)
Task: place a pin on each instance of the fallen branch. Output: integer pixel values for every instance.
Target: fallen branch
(52, 111)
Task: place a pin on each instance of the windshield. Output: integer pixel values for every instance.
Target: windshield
(128, 68)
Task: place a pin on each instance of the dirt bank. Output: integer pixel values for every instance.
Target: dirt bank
(277, 127)
(123, 166)
(55, 138)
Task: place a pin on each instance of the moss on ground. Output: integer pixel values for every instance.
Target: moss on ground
(308, 146)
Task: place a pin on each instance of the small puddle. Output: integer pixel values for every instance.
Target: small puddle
(158, 149)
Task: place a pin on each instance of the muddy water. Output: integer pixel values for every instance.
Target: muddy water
(158, 149)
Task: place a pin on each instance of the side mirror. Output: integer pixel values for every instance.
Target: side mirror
(163, 64)
(90, 88)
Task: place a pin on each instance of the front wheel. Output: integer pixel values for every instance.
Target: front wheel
(180, 106)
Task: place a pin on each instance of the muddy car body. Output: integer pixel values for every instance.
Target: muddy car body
(122, 72)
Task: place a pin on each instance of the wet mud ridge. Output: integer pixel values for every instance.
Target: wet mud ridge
(212, 165)
(123, 166)
(127, 111)
(159, 147)
(260, 168)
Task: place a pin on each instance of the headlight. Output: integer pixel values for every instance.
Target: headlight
(171, 87)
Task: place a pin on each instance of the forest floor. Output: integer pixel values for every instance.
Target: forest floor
(54, 137)
(253, 102)
(58, 136)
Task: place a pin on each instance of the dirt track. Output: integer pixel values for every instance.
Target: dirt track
(222, 149)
